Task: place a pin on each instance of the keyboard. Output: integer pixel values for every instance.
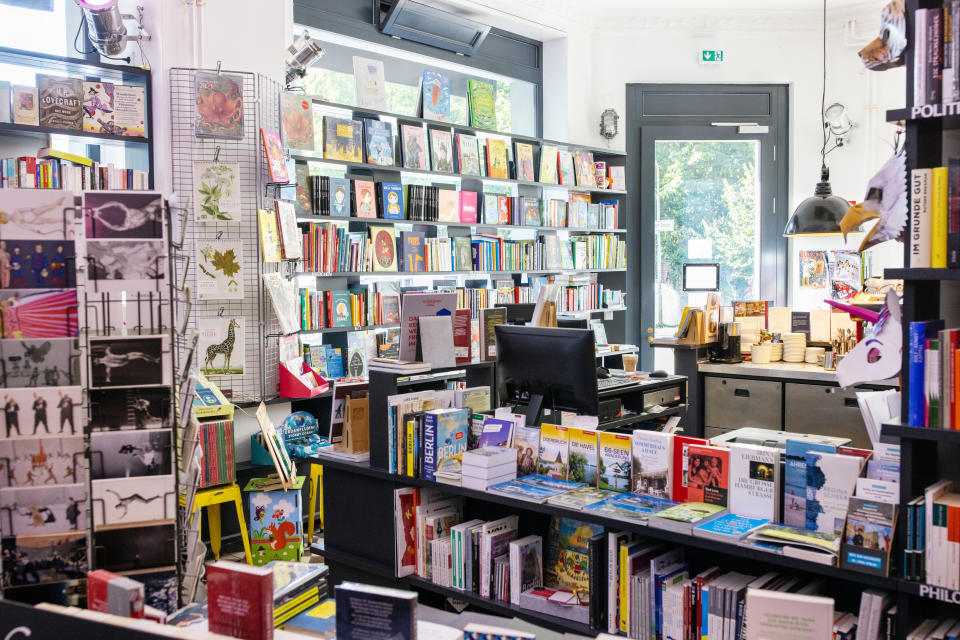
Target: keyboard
(605, 384)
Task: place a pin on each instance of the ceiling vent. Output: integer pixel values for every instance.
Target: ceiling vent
(431, 26)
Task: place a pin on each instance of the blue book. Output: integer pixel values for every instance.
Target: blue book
(444, 440)
(795, 480)
(540, 480)
(660, 580)
(496, 432)
(340, 197)
(334, 363)
(366, 611)
(524, 491)
(391, 201)
(429, 445)
(320, 621)
(729, 527)
(378, 141)
(435, 92)
(919, 332)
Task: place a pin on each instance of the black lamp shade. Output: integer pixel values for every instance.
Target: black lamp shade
(820, 214)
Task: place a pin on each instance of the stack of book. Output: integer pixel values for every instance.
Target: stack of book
(935, 216)
(488, 466)
(934, 376)
(214, 442)
(52, 169)
(936, 59)
(297, 586)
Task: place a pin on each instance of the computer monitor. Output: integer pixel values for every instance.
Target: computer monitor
(519, 313)
(571, 322)
(546, 368)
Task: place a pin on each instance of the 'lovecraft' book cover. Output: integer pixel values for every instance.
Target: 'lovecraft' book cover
(61, 102)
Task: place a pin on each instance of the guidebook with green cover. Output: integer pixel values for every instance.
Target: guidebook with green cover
(683, 517)
(482, 100)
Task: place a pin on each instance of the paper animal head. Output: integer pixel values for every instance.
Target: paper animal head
(885, 201)
(886, 50)
(876, 357)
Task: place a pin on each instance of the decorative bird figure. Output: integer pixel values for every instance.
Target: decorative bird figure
(886, 200)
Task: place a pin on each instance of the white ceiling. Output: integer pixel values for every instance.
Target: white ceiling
(765, 5)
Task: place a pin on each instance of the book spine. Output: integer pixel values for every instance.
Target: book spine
(934, 56)
(920, 222)
(953, 211)
(920, 57)
(623, 614)
(915, 374)
(939, 212)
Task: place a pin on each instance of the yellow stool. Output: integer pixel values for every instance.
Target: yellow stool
(212, 499)
(316, 487)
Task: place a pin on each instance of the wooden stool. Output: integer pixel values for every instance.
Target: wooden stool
(212, 499)
(316, 487)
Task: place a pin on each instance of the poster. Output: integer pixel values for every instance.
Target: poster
(813, 269)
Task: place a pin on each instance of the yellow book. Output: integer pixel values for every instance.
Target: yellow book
(410, 432)
(938, 227)
(269, 235)
(624, 617)
(47, 152)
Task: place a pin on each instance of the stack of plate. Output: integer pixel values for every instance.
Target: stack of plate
(794, 347)
(813, 354)
(776, 351)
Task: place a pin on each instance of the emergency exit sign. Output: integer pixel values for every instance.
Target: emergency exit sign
(711, 56)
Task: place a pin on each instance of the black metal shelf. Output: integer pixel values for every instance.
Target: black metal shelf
(916, 273)
(441, 223)
(43, 132)
(930, 592)
(936, 116)
(407, 274)
(897, 430)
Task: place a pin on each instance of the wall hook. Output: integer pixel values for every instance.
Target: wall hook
(216, 155)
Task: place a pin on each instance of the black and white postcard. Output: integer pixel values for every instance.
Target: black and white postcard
(130, 500)
(40, 363)
(126, 265)
(44, 558)
(123, 214)
(125, 454)
(147, 408)
(129, 361)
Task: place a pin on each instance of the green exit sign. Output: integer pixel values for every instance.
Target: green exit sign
(711, 56)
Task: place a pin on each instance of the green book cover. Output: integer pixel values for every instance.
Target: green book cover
(482, 104)
(341, 308)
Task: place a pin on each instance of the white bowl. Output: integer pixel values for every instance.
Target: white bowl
(760, 354)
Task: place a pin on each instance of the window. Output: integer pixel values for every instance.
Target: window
(32, 25)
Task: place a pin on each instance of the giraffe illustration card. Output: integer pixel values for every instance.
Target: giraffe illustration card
(123, 214)
(221, 349)
(129, 408)
(37, 462)
(132, 361)
(122, 501)
(36, 214)
(41, 411)
(126, 265)
(220, 270)
(128, 454)
(46, 509)
(39, 363)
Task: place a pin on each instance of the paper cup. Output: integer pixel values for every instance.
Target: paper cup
(760, 354)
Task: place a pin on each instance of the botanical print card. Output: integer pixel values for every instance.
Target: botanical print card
(296, 120)
(221, 348)
(129, 362)
(371, 83)
(141, 408)
(219, 105)
(38, 313)
(37, 462)
(123, 214)
(40, 363)
(35, 214)
(97, 106)
(130, 500)
(220, 270)
(126, 265)
(435, 89)
(128, 454)
(41, 411)
(44, 558)
(216, 192)
(36, 510)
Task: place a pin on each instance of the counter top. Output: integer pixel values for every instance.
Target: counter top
(783, 370)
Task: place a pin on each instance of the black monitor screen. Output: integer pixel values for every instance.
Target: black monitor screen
(519, 313)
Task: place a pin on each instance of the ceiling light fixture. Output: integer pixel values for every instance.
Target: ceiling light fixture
(105, 28)
(302, 53)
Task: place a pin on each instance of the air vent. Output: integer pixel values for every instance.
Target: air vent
(431, 26)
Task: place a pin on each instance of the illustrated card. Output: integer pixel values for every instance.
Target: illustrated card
(129, 361)
(130, 500)
(221, 349)
(220, 270)
(44, 509)
(128, 454)
(123, 214)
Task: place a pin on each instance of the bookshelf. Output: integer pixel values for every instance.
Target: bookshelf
(438, 223)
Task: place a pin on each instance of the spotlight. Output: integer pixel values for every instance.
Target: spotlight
(838, 121)
(302, 53)
(105, 26)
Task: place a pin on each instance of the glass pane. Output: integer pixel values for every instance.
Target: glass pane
(707, 211)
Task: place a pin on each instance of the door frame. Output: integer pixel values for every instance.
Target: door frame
(650, 106)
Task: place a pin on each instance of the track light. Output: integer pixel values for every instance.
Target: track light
(302, 53)
(105, 27)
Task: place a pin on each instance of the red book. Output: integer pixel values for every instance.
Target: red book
(110, 593)
(708, 474)
(240, 600)
(468, 206)
(503, 209)
(28, 172)
(680, 445)
(461, 336)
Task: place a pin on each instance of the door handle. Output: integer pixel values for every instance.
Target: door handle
(741, 393)
(851, 402)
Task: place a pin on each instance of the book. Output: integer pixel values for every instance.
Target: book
(785, 535)
(269, 235)
(5, 100)
(583, 167)
(496, 432)
(441, 150)
(553, 456)
(444, 440)
(384, 244)
(754, 481)
(109, 593)
(296, 121)
(729, 527)
(526, 565)
(391, 201)
(921, 238)
(342, 139)
(582, 498)
(953, 166)
(567, 565)
(919, 333)
(61, 102)
(772, 618)
(496, 158)
(276, 160)
(468, 156)
(25, 108)
(630, 506)
(289, 233)
(524, 491)
(435, 94)
(97, 107)
(615, 461)
(938, 217)
(868, 535)
(448, 205)
(708, 475)
(411, 251)
(240, 600)
(565, 168)
(416, 304)
(682, 518)
(371, 84)
(378, 140)
(468, 206)
(488, 457)
(366, 611)
(129, 110)
(219, 105)
(490, 318)
(548, 164)
(413, 141)
(436, 341)
(651, 460)
(481, 99)
(618, 176)
(364, 199)
(831, 480)
(523, 157)
(795, 480)
(318, 621)
(526, 441)
(583, 455)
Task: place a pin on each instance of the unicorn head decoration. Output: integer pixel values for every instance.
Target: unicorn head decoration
(876, 357)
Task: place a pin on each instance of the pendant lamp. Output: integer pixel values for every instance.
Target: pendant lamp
(820, 214)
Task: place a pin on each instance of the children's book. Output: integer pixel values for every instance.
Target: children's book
(343, 139)
(567, 174)
(467, 154)
(482, 101)
(371, 83)
(296, 120)
(441, 150)
(496, 158)
(378, 136)
(413, 141)
(548, 164)
(435, 92)
(523, 157)
(276, 160)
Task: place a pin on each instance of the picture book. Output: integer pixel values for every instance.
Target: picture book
(651, 460)
(565, 165)
(868, 536)
(600, 174)
(343, 139)
(296, 121)
(61, 102)
(531, 211)
(441, 150)
(370, 82)
(364, 199)
(269, 235)
(681, 466)
(129, 110)
(97, 106)
(754, 481)
(413, 140)
(567, 563)
(554, 452)
(378, 138)
(448, 205)
(619, 177)
(583, 456)
(391, 201)
(25, 107)
(276, 160)
(435, 93)
(795, 480)
(708, 475)
(583, 164)
(523, 157)
(468, 206)
(496, 432)
(340, 305)
(240, 600)
(216, 196)
(384, 247)
(219, 105)
(411, 251)
(496, 158)
(481, 97)
(468, 155)
(503, 209)
(548, 164)
(526, 565)
(729, 527)
(444, 440)
(276, 518)
(831, 480)
(340, 197)
(290, 238)
(615, 461)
